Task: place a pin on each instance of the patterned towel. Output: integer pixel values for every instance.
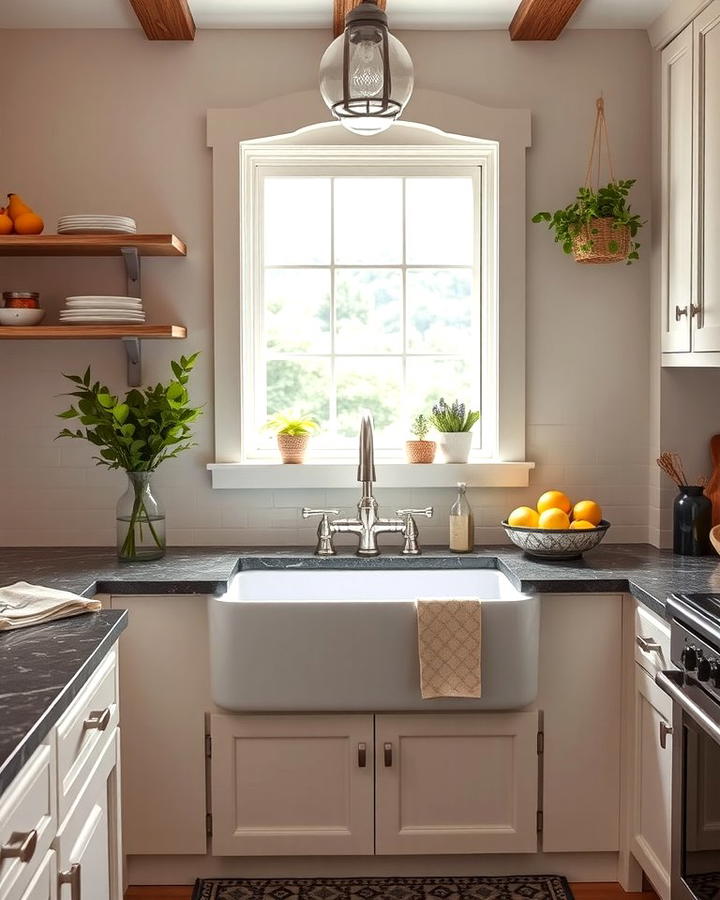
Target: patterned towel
(23, 604)
(449, 641)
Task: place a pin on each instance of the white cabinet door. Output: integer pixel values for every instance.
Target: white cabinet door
(706, 34)
(44, 883)
(653, 782)
(292, 785)
(465, 783)
(677, 193)
(86, 844)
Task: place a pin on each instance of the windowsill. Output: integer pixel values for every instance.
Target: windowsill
(277, 476)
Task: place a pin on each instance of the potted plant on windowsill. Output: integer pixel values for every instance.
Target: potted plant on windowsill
(420, 450)
(454, 426)
(136, 434)
(293, 435)
(599, 227)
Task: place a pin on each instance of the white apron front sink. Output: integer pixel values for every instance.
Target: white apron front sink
(345, 640)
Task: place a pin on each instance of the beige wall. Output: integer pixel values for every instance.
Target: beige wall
(105, 121)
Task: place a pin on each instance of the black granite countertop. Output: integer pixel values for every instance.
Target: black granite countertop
(42, 669)
(647, 573)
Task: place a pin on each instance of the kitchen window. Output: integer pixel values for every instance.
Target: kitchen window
(366, 293)
(367, 272)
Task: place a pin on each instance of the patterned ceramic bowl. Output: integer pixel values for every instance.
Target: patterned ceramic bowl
(545, 544)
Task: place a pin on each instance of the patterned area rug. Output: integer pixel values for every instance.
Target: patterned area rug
(518, 887)
(706, 887)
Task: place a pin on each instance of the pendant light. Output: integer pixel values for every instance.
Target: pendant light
(366, 74)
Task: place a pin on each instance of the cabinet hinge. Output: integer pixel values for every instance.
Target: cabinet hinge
(539, 820)
(208, 824)
(208, 746)
(540, 742)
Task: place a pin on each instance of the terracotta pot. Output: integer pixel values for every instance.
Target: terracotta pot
(420, 451)
(292, 447)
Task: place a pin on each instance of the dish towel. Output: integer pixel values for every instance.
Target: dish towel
(449, 645)
(23, 604)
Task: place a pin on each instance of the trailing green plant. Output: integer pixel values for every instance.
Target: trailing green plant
(420, 426)
(453, 418)
(294, 425)
(609, 202)
(135, 433)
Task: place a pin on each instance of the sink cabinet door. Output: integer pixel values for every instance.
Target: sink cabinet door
(292, 785)
(464, 783)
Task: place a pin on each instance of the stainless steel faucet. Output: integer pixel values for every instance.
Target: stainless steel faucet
(368, 524)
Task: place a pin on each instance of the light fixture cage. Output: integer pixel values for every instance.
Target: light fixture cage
(366, 99)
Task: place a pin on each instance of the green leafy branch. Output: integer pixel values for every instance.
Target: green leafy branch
(140, 431)
(609, 202)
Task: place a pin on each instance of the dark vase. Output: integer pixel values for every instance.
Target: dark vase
(692, 521)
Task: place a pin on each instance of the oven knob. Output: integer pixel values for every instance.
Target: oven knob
(715, 673)
(704, 669)
(689, 658)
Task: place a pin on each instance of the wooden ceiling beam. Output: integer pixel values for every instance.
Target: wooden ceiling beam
(541, 20)
(165, 20)
(342, 7)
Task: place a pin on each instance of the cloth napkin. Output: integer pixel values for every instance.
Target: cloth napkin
(23, 604)
(449, 645)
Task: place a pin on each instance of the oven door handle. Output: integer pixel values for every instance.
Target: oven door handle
(666, 681)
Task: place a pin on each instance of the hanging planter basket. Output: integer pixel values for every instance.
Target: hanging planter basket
(601, 241)
(599, 227)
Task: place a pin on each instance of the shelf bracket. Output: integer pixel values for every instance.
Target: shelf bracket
(132, 270)
(133, 351)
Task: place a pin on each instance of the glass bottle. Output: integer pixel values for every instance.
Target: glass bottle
(140, 521)
(462, 527)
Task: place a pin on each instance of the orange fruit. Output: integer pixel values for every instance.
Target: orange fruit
(523, 517)
(554, 500)
(587, 511)
(6, 223)
(29, 223)
(554, 519)
(579, 525)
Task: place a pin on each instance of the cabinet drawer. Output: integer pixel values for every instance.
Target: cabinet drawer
(84, 730)
(651, 630)
(28, 819)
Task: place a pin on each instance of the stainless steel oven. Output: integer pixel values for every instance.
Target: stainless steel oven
(694, 687)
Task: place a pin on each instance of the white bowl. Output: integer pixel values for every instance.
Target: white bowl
(21, 316)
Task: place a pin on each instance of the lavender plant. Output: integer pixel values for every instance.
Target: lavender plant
(453, 418)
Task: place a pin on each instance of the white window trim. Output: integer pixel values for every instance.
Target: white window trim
(458, 127)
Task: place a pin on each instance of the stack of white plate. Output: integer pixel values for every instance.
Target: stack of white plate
(102, 310)
(96, 224)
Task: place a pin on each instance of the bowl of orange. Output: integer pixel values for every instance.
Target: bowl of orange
(556, 528)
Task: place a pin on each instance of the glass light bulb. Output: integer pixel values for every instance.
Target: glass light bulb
(367, 73)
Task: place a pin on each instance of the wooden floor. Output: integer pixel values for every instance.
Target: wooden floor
(605, 891)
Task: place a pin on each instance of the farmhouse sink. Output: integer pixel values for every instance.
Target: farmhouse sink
(345, 640)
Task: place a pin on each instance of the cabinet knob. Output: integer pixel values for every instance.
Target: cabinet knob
(71, 877)
(665, 730)
(98, 718)
(21, 846)
(680, 311)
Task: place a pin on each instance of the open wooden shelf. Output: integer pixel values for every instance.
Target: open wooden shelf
(91, 332)
(91, 244)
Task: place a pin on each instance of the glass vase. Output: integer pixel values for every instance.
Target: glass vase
(140, 521)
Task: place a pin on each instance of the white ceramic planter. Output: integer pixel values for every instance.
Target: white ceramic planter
(454, 446)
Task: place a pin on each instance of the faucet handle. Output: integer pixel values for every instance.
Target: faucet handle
(410, 530)
(325, 545)
(307, 512)
(427, 511)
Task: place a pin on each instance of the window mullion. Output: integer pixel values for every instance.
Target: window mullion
(333, 319)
